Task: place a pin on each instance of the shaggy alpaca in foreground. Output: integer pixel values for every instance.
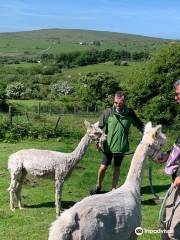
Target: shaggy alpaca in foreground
(114, 215)
(48, 163)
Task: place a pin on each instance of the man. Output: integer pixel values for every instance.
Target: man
(116, 121)
(173, 201)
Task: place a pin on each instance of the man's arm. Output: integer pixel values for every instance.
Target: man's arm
(137, 122)
(104, 118)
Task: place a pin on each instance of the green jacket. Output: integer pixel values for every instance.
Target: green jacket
(117, 128)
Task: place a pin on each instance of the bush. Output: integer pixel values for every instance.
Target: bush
(154, 92)
(121, 63)
(40, 91)
(48, 70)
(124, 63)
(17, 90)
(94, 87)
(40, 128)
(3, 104)
(60, 88)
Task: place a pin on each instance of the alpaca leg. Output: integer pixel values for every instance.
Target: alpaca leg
(58, 193)
(18, 191)
(18, 195)
(16, 175)
(12, 190)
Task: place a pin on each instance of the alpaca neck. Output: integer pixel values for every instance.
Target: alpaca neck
(80, 150)
(134, 176)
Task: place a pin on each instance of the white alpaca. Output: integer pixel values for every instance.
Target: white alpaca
(48, 163)
(114, 215)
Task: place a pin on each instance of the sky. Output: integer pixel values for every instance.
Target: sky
(156, 18)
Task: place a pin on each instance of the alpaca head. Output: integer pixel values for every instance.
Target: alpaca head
(154, 138)
(94, 131)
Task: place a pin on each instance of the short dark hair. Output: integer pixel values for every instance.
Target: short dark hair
(120, 94)
(177, 83)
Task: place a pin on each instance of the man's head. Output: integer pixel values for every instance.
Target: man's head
(119, 99)
(177, 87)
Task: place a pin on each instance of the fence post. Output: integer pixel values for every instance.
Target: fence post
(39, 108)
(50, 109)
(10, 116)
(57, 123)
(95, 108)
(27, 116)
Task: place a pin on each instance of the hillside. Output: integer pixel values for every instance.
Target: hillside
(67, 40)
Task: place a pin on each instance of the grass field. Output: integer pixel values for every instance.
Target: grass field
(38, 194)
(68, 40)
(123, 74)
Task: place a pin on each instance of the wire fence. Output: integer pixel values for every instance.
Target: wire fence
(42, 112)
(37, 123)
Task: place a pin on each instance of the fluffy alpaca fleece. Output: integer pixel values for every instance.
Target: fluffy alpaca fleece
(43, 163)
(114, 215)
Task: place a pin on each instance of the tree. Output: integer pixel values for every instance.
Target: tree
(17, 90)
(3, 104)
(96, 87)
(155, 97)
(60, 88)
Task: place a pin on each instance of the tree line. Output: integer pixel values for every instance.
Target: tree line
(93, 56)
(151, 94)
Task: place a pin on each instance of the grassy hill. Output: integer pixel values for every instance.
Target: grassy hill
(67, 40)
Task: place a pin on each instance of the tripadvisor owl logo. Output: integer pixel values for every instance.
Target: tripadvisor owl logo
(139, 231)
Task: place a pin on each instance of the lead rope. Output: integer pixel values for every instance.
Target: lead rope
(150, 182)
(149, 171)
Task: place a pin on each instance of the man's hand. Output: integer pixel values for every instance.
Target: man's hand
(163, 157)
(176, 182)
(159, 160)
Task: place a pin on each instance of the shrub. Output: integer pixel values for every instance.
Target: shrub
(156, 94)
(121, 63)
(94, 87)
(124, 63)
(3, 104)
(48, 70)
(17, 90)
(60, 88)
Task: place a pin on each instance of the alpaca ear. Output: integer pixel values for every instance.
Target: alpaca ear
(148, 126)
(159, 128)
(87, 124)
(96, 124)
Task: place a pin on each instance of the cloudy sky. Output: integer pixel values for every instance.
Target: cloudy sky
(158, 18)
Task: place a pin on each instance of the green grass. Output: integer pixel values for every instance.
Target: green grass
(67, 40)
(28, 105)
(38, 194)
(123, 74)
